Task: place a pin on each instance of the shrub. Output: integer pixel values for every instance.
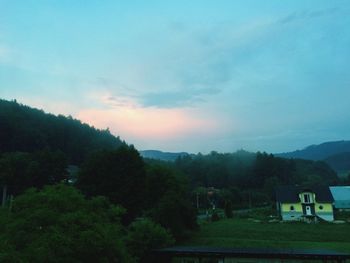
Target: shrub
(145, 235)
(228, 209)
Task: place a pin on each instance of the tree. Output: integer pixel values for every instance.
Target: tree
(270, 186)
(228, 209)
(52, 167)
(168, 200)
(117, 174)
(57, 224)
(20, 171)
(161, 179)
(175, 213)
(145, 235)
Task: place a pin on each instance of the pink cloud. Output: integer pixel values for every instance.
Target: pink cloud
(148, 123)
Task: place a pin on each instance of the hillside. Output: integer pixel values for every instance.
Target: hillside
(163, 156)
(339, 162)
(26, 129)
(335, 154)
(318, 152)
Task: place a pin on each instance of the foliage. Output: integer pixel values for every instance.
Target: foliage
(168, 200)
(175, 213)
(24, 129)
(58, 224)
(217, 170)
(155, 189)
(228, 209)
(117, 174)
(161, 179)
(20, 171)
(145, 235)
(339, 162)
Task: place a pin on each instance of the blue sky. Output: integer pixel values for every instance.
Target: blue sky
(185, 75)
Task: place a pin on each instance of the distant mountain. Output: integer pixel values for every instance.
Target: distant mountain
(164, 156)
(319, 152)
(336, 154)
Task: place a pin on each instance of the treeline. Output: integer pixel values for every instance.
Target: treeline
(246, 179)
(25, 129)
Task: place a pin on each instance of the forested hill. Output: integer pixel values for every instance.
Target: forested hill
(245, 177)
(253, 170)
(336, 154)
(319, 152)
(164, 156)
(339, 162)
(25, 129)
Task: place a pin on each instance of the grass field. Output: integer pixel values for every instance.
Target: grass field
(247, 233)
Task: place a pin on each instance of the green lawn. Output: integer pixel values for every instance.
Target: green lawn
(246, 233)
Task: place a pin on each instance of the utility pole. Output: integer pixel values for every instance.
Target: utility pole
(4, 195)
(250, 199)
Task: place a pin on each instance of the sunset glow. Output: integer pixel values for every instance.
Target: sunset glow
(148, 123)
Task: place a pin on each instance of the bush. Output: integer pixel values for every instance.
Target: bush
(58, 224)
(175, 213)
(228, 209)
(145, 235)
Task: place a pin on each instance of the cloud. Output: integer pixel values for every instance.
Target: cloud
(177, 98)
(119, 101)
(194, 64)
(189, 66)
(310, 14)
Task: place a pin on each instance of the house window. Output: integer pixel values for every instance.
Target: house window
(291, 208)
(307, 198)
(321, 207)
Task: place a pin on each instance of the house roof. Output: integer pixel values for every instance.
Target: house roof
(213, 252)
(290, 193)
(340, 192)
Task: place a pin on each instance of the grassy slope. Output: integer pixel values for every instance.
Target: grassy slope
(245, 233)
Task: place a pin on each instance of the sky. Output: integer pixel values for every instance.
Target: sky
(193, 76)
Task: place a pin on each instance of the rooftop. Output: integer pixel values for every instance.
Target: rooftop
(252, 253)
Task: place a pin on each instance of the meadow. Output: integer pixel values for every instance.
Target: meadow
(249, 233)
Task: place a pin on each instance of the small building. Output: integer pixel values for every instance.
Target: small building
(341, 196)
(304, 204)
